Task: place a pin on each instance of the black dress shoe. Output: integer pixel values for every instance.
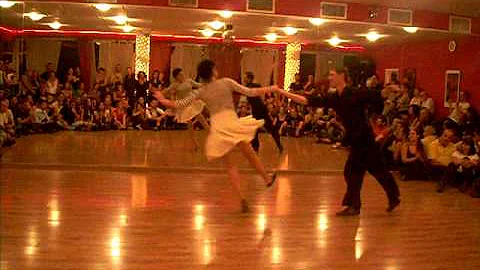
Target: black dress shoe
(392, 205)
(274, 177)
(348, 211)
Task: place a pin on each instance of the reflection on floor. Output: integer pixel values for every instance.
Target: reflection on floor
(79, 217)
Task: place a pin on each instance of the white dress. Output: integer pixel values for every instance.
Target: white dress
(183, 90)
(226, 129)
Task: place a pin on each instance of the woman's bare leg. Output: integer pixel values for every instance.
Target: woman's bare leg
(252, 157)
(234, 175)
(196, 144)
(203, 121)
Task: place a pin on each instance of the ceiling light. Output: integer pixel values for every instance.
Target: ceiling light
(6, 4)
(103, 7)
(373, 36)
(316, 21)
(127, 28)
(271, 37)
(290, 30)
(35, 16)
(207, 32)
(410, 29)
(120, 19)
(55, 25)
(335, 41)
(226, 14)
(216, 25)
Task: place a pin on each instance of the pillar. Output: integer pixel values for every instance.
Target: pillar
(292, 63)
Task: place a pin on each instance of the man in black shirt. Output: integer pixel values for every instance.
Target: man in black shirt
(365, 155)
(260, 111)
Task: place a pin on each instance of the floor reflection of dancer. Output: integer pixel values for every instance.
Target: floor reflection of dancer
(183, 87)
(227, 130)
(365, 154)
(260, 111)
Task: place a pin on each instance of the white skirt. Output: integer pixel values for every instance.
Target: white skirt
(227, 130)
(183, 115)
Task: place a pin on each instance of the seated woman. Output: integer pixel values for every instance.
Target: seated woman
(413, 158)
(461, 171)
(139, 116)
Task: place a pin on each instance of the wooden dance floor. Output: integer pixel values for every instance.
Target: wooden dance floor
(146, 200)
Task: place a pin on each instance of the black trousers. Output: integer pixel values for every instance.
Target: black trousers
(273, 132)
(360, 160)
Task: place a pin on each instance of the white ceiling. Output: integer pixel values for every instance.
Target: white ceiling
(187, 22)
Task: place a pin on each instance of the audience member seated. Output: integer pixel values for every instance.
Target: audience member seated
(441, 151)
(7, 125)
(413, 158)
(155, 115)
(462, 170)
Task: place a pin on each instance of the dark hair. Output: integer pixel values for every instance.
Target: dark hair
(342, 70)
(469, 141)
(205, 70)
(415, 110)
(175, 72)
(249, 75)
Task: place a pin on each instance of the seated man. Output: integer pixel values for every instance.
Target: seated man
(441, 151)
(7, 124)
(42, 119)
(428, 137)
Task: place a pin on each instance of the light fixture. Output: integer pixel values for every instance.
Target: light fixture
(207, 32)
(226, 14)
(55, 25)
(103, 7)
(410, 29)
(335, 41)
(373, 36)
(6, 4)
(288, 30)
(120, 19)
(216, 25)
(271, 37)
(127, 28)
(316, 21)
(35, 16)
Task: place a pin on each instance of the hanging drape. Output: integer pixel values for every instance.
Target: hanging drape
(113, 52)
(160, 54)
(41, 51)
(261, 62)
(187, 57)
(87, 60)
(227, 59)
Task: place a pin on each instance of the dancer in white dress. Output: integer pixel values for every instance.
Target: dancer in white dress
(183, 88)
(227, 130)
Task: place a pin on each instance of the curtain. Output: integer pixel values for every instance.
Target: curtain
(87, 60)
(261, 62)
(113, 52)
(160, 54)
(187, 57)
(227, 60)
(41, 51)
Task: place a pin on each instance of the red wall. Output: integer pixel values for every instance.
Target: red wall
(431, 60)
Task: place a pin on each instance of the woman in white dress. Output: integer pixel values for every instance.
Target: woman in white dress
(183, 88)
(227, 130)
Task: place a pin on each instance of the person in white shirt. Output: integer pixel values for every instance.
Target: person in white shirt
(7, 125)
(460, 172)
(155, 115)
(427, 102)
(428, 137)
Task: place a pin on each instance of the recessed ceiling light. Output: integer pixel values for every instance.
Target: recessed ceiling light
(6, 4)
(207, 32)
(103, 7)
(216, 25)
(373, 36)
(55, 25)
(226, 14)
(120, 19)
(335, 41)
(290, 30)
(35, 16)
(410, 29)
(127, 28)
(316, 21)
(271, 37)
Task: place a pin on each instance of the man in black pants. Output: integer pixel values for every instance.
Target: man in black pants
(365, 155)
(260, 111)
